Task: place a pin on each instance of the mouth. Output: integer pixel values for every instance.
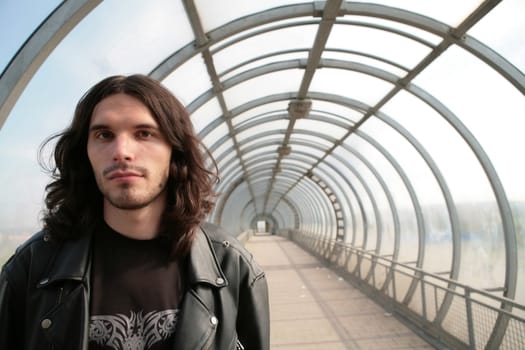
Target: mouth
(124, 175)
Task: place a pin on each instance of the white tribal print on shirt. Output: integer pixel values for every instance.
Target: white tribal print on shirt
(137, 332)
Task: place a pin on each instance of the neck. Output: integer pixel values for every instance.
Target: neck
(142, 224)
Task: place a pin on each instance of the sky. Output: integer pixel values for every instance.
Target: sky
(46, 105)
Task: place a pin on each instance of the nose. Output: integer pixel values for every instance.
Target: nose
(122, 149)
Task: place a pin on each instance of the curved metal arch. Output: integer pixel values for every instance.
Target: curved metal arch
(404, 178)
(348, 201)
(453, 217)
(274, 225)
(276, 27)
(315, 215)
(490, 172)
(291, 168)
(215, 36)
(306, 50)
(261, 157)
(495, 183)
(324, 136)
(377, 214)
(220, 208)
(361, 107)
(294, 211)
(37, 48)
(310, 198)
(313, 192)
(231, 168)
(402, 16)
(293, 208)
(336, 208)
(359, 201)
(218, 121)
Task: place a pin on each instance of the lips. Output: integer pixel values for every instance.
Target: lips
(122, 175)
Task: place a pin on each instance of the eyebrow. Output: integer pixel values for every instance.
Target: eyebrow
(96, 127)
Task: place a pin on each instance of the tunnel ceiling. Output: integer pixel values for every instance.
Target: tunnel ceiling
(384, 124)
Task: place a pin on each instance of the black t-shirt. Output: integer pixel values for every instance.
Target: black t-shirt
(135, 293)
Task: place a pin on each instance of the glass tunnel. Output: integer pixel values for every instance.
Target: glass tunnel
(383, 136)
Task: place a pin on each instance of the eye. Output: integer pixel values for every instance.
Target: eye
(144, 134)
(103, 135)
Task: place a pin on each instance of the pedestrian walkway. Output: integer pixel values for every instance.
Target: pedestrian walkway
(312, 308)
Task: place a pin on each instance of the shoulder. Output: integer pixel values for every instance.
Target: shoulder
(227, 248)
(32, 254)
(220, 238)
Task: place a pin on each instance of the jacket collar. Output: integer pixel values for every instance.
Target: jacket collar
(203, 265)
(71, 261)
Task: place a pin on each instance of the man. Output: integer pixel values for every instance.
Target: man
(124, 260)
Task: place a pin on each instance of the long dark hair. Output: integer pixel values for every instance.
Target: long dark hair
(73, 200)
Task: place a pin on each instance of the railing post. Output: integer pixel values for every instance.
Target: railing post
(393, 271)
(423, 295)
(470, 321)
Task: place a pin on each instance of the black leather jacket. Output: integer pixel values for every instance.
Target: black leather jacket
(44, 296)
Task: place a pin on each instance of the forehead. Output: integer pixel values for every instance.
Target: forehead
(121, 109)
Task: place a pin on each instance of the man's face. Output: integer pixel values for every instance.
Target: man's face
(129, 154)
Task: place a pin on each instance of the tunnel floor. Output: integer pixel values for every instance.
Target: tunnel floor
(311, 307)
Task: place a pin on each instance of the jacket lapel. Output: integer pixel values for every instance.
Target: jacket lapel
(72, 264)
(197, 321)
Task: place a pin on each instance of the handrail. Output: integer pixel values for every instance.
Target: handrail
(480, 308)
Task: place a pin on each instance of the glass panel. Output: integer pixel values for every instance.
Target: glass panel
(205, 115)
(342, 56)
(314, 152)
(337, 110)
(448, 11)
(315, 141)
(268, 84)
(421, 34)
(216, 134)
(261, 62)
(425, 186)
(302, 158)
(189, 81)
(232, 167)
(455, 160)
(266, 164)
(129, 48)
(395, 185)
(226, 160)
(393, 47)
(275, 139)
(300, 37)
(489, 111)
(261, 128)
(386, 228)
(294, 163)
(216, 13)
(502, 30)
(260, 112)
(227, 145)
(18, 20)
(319, 126)
(260, 150)
(360, 192)
(359, 86)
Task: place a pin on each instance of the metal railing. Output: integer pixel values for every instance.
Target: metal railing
(474, 319)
